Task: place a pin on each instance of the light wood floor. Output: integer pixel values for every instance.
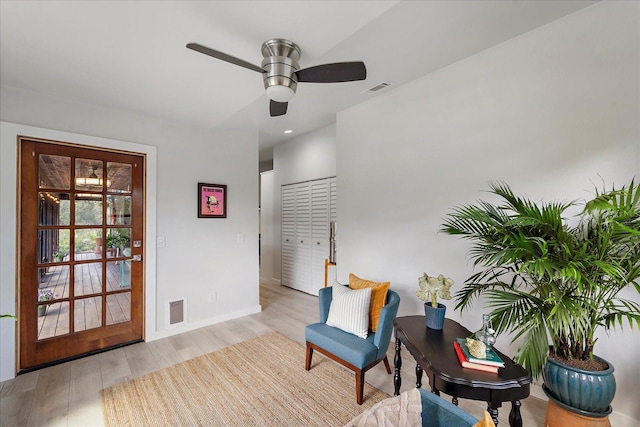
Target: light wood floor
(69, 394)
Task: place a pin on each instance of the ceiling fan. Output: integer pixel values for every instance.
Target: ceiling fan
(281, 72)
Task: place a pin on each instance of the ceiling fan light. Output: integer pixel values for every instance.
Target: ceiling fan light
(280, 93)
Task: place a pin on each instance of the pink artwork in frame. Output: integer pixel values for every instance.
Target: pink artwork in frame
(212, 200)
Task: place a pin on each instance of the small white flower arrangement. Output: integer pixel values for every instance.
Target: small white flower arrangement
(45, 295)
(433, 287)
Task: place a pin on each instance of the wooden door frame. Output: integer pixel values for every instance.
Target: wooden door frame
(144, 215)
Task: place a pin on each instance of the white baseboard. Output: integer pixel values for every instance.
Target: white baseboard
(156, 335)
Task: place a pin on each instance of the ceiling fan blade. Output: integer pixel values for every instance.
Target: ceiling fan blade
(333, 73)
(277, 108)
(224, 57)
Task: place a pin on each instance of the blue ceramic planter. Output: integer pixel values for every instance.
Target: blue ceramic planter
(588, 392)
(434, 316)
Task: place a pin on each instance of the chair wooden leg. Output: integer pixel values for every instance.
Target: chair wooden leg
(359, 386)
(359, 372)
(307, 363)
(386, 365)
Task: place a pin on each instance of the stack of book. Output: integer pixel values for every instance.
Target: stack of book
(490, 364)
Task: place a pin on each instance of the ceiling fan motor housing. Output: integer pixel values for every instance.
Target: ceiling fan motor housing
(280, 65)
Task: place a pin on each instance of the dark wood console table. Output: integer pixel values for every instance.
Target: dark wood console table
(434, 353)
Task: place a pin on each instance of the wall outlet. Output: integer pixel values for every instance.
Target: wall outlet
(213, 297)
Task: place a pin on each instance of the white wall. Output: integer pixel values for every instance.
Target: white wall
(548, 112)
(304, 158)
(267, 229)
(201, 256)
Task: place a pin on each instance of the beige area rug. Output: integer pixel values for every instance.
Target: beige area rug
(259, 382)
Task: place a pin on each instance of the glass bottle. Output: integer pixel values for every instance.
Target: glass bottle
(487, 335)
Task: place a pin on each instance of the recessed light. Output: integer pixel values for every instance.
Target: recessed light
(288, 131)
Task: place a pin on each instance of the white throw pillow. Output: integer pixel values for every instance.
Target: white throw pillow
(349, 310)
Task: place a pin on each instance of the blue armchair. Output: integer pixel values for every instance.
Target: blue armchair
(433, 411)
(438, 412)
(355, 353)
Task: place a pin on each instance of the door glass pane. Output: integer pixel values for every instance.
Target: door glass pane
(118, 210)
(53, 280)
(87, 244)
(118, 242)
(89, 175)
(118, 308)
(88, 209)
(53, 209)
(118, 177)
(118, 275)
(87, 278)
(54, 171)
(53, 320)
(53, 245)
(87, 313)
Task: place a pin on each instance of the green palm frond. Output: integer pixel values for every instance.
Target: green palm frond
(616, 312)
(533, 351)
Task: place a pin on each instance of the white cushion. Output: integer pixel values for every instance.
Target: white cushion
(349, 310)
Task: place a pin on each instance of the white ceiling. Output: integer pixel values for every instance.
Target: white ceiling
(131, 55)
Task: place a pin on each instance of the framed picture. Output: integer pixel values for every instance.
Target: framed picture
(212, 200)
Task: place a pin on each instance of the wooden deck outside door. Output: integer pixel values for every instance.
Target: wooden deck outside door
(81, 235)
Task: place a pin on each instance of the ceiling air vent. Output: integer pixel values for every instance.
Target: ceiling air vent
(378, 87)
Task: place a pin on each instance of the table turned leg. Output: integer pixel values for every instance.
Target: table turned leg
(418, 375)
(454, 400)
(494, 414)
(515, 420)
(397, 364)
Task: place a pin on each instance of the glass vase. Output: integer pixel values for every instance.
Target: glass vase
(487, 335)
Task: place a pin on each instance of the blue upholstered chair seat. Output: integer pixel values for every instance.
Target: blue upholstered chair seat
(355, 350)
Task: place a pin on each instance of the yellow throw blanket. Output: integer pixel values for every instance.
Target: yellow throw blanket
(401, 411)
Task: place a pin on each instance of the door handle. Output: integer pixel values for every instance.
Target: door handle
(137, 258)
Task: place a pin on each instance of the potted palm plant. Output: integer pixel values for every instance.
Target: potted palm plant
(554, 282)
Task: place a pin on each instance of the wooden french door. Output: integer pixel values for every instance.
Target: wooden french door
(81, 234)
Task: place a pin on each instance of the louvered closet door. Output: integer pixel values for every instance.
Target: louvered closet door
(302, 264)
(306, 210)
(333, 214)
(320, 208)
(288, 234)
(332, 200)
